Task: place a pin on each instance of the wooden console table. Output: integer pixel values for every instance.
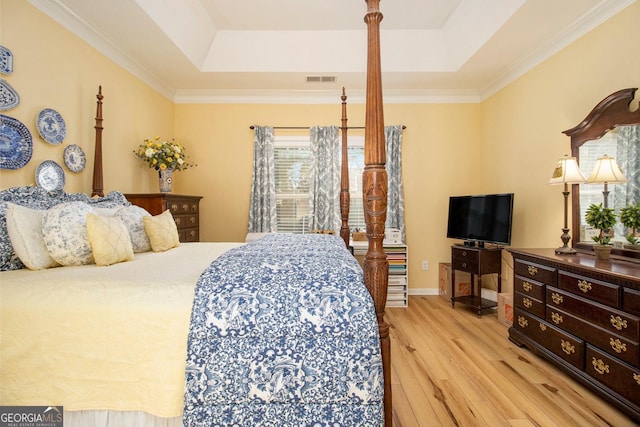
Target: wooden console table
(583, 315)
(477, 261)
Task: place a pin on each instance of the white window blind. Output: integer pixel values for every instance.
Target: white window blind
(292, 163)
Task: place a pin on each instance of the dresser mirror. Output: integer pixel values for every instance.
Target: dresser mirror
(607, 127)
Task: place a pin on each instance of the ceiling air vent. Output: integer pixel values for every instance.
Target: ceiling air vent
(321, 79)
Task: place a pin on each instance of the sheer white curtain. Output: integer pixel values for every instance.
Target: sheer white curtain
(324, 183)
(262, 205)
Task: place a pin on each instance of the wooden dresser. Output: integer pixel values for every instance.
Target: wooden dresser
(185, 211)
(583, 315)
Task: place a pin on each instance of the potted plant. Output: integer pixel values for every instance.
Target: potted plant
(602, 219)
(630, 218)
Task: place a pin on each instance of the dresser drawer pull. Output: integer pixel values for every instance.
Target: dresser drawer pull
(600, 366)
(532, 270)
(618, 322)
(617, 345)
(636, 378)
(185, 207)
(527, 286)
(522, 322)
(557, 298)
(527, 302)
(178, 221)
(543, 327)
(192, 220)
(464, 265)
(194, 207)
(557, 319)
(567, 347)
(174, 207)
(192, 233)
(464, 253)
(584, 286)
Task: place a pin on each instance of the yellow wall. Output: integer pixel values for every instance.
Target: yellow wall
(55, 69)
(509, 143)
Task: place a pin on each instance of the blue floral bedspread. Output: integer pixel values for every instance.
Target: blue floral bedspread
(283, 333)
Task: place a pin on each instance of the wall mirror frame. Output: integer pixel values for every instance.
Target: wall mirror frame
(612, 111)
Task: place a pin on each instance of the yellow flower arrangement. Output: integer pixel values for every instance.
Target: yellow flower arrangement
(163, 155)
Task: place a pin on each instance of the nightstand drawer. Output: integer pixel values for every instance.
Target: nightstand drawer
(631, 301)
(178, 206)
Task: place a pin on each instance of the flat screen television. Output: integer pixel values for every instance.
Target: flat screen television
(481, 219)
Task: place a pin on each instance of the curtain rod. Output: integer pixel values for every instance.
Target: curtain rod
(252, 127)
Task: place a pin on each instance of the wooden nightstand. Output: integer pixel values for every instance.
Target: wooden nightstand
(185, 211)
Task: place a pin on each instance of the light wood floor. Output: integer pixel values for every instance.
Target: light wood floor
(451, 368)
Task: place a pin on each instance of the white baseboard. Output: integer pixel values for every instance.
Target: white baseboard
(423, 291)
(489, 294)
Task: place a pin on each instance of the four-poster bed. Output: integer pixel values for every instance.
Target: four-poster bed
(137, 359)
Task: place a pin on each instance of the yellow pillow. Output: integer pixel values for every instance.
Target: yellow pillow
(109, 239)
(161, 231)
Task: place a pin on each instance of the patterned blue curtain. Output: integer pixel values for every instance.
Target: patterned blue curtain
(324, 178)
(628, 157)
(262, 206)
(395, 198)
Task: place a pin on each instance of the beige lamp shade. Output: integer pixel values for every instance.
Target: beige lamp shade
(567, 172)
(607, 170)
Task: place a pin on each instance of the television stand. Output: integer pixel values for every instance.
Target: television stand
(477, 261)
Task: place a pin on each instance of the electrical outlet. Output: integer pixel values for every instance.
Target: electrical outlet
(425, 264)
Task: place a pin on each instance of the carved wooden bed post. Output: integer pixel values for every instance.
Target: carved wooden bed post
(345, 198)
(374, 187)
(98, 187)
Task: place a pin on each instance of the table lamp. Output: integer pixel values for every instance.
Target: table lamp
(606, 171)
(566, 172)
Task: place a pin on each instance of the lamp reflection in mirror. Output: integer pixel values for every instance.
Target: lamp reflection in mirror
(566, 172)
(607, 171)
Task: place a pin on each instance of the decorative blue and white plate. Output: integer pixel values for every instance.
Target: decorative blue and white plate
(51, 126)
(16, 145)
(74, 158)
(9, 98)
(6, 61)
(50, 176)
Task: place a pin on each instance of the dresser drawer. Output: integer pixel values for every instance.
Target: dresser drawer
(189, 234)
(595, 290)
(533, 271)
(186, 221)
(613, 344)
(618, 376)
(631, 301)
(615, 321)
(561, 343)
(465, 260)
(181, 206)
(528, 303)
(528, 287)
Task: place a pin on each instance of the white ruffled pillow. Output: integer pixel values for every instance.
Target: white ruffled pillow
(132, 216)
(64, 228)
(24, 226)
(109, 239)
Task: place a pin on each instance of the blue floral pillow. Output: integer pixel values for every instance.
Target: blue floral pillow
(38, 198)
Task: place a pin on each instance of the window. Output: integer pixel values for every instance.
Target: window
(292, 163)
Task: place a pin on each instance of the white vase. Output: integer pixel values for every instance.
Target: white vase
(165, 180)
